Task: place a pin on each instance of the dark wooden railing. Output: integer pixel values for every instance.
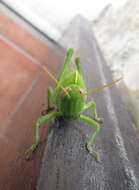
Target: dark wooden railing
(66, 164)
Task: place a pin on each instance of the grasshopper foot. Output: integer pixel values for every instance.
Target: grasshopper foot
(99, 119)
(94, 153)
(29, 152)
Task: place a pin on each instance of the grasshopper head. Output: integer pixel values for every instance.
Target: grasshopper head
(72, 104)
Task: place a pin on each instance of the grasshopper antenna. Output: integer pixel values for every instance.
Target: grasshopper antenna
(54, 79)
(104, 86)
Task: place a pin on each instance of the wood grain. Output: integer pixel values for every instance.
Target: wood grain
(66, 163)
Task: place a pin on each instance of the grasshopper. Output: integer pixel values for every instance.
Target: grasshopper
(68, 97)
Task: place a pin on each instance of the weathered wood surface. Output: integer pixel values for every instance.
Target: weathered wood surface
(66, 163)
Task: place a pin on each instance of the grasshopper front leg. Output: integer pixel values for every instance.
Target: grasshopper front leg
(92, 105)
(78, 65)
(92, 137)
(36, 140)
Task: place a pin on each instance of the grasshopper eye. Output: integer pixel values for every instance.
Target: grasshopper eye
(63, 94)
(82, 91)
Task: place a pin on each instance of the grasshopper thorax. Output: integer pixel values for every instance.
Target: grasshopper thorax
(72, 103)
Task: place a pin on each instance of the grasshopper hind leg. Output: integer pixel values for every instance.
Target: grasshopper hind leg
(66, 63)
(78, 65)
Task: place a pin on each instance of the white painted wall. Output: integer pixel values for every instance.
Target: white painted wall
(52, 16)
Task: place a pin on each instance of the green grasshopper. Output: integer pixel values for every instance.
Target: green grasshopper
(68, 97)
